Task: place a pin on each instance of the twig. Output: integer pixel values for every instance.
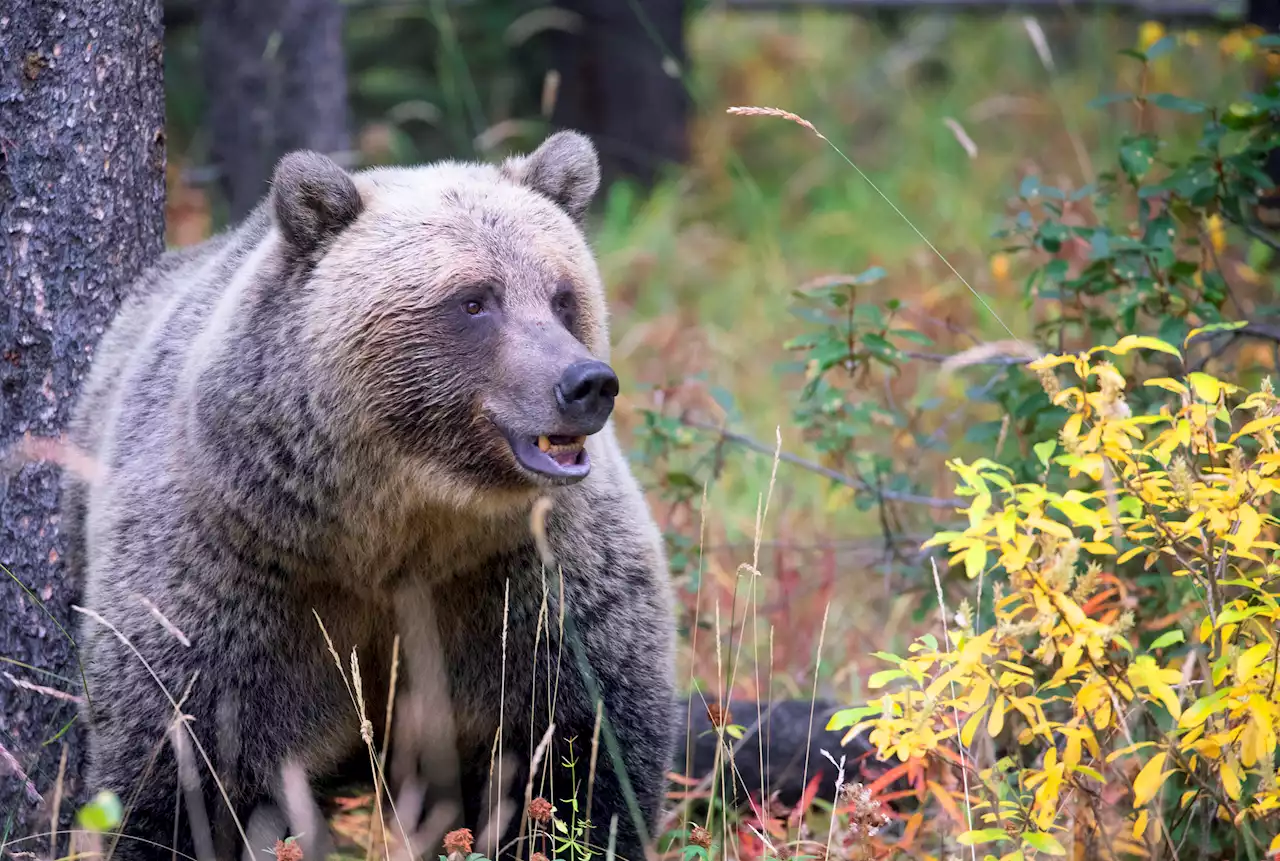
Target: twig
(1262, 236)
(817, 468)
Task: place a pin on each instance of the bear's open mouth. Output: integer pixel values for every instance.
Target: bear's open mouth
(552, 455)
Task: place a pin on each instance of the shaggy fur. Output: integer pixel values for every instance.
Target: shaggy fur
(297, 416)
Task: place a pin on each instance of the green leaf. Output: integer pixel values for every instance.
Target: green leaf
(985, 835)
(103, 812)
(1213, 327)
(1110, 99)
(1043, 842)
(1136, 157)
(846, 718)
(882, 678)
(1177, 103)
(1169, 638)
(1044, 451)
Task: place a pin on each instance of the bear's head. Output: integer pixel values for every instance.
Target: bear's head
(457, 309)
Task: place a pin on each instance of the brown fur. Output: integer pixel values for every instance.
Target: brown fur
(295, 417)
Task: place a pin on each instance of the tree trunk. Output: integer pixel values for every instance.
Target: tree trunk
(81, 214)
(276, 81)
(620, 83)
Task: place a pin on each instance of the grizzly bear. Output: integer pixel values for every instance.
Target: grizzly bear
(381, 405)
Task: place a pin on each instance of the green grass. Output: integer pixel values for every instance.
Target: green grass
(716, 251)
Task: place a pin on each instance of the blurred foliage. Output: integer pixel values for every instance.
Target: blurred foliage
(427, 79)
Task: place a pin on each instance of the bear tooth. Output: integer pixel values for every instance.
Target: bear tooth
(544, 443)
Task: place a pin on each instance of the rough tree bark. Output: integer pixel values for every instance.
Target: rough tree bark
(81, 213)
(275, 79)
(620, 83)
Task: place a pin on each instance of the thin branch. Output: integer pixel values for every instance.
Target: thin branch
(1000, 361)
(818, 469)
(1261, 235)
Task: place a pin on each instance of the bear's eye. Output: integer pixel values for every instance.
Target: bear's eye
(473, 307)
(564, 304)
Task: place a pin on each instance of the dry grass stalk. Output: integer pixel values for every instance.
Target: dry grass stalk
(495, 753)
(535, 761)
(595, 751)
(366, 734)
(52, 693)
(57, 803)
(962, 136)
(391, 700)
(753, 111)
(813, 697)
(189, 780)
(964, 764)
(173, 629)
(986, 352)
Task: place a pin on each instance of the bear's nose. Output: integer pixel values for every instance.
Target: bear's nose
(585, 393)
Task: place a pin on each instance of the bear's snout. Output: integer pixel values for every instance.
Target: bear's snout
(585, 395)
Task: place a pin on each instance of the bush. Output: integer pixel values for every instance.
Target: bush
(1111, 689)
(1075, 707)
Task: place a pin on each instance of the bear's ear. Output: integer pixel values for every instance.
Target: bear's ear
(565, 168)
(314, 199)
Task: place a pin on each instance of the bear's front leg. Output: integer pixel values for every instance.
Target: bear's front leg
(257, 688)
(618, 660)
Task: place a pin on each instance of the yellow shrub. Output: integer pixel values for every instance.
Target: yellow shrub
(1069, 733)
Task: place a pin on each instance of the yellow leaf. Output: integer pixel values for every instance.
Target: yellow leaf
(1078, 514)
(975, 559)
(1150, 779)
(1141, 342)
(1254, 426)
(1249, 660)
(1168, 383)
(1140, 826)
(971, 726)
(1209, 388)
(1050, 361)
(1275, 845)
(1098, 548)
(1144, 672)
(1231, 779)
(996, 722)
(1071, 427)
(1129, 554)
